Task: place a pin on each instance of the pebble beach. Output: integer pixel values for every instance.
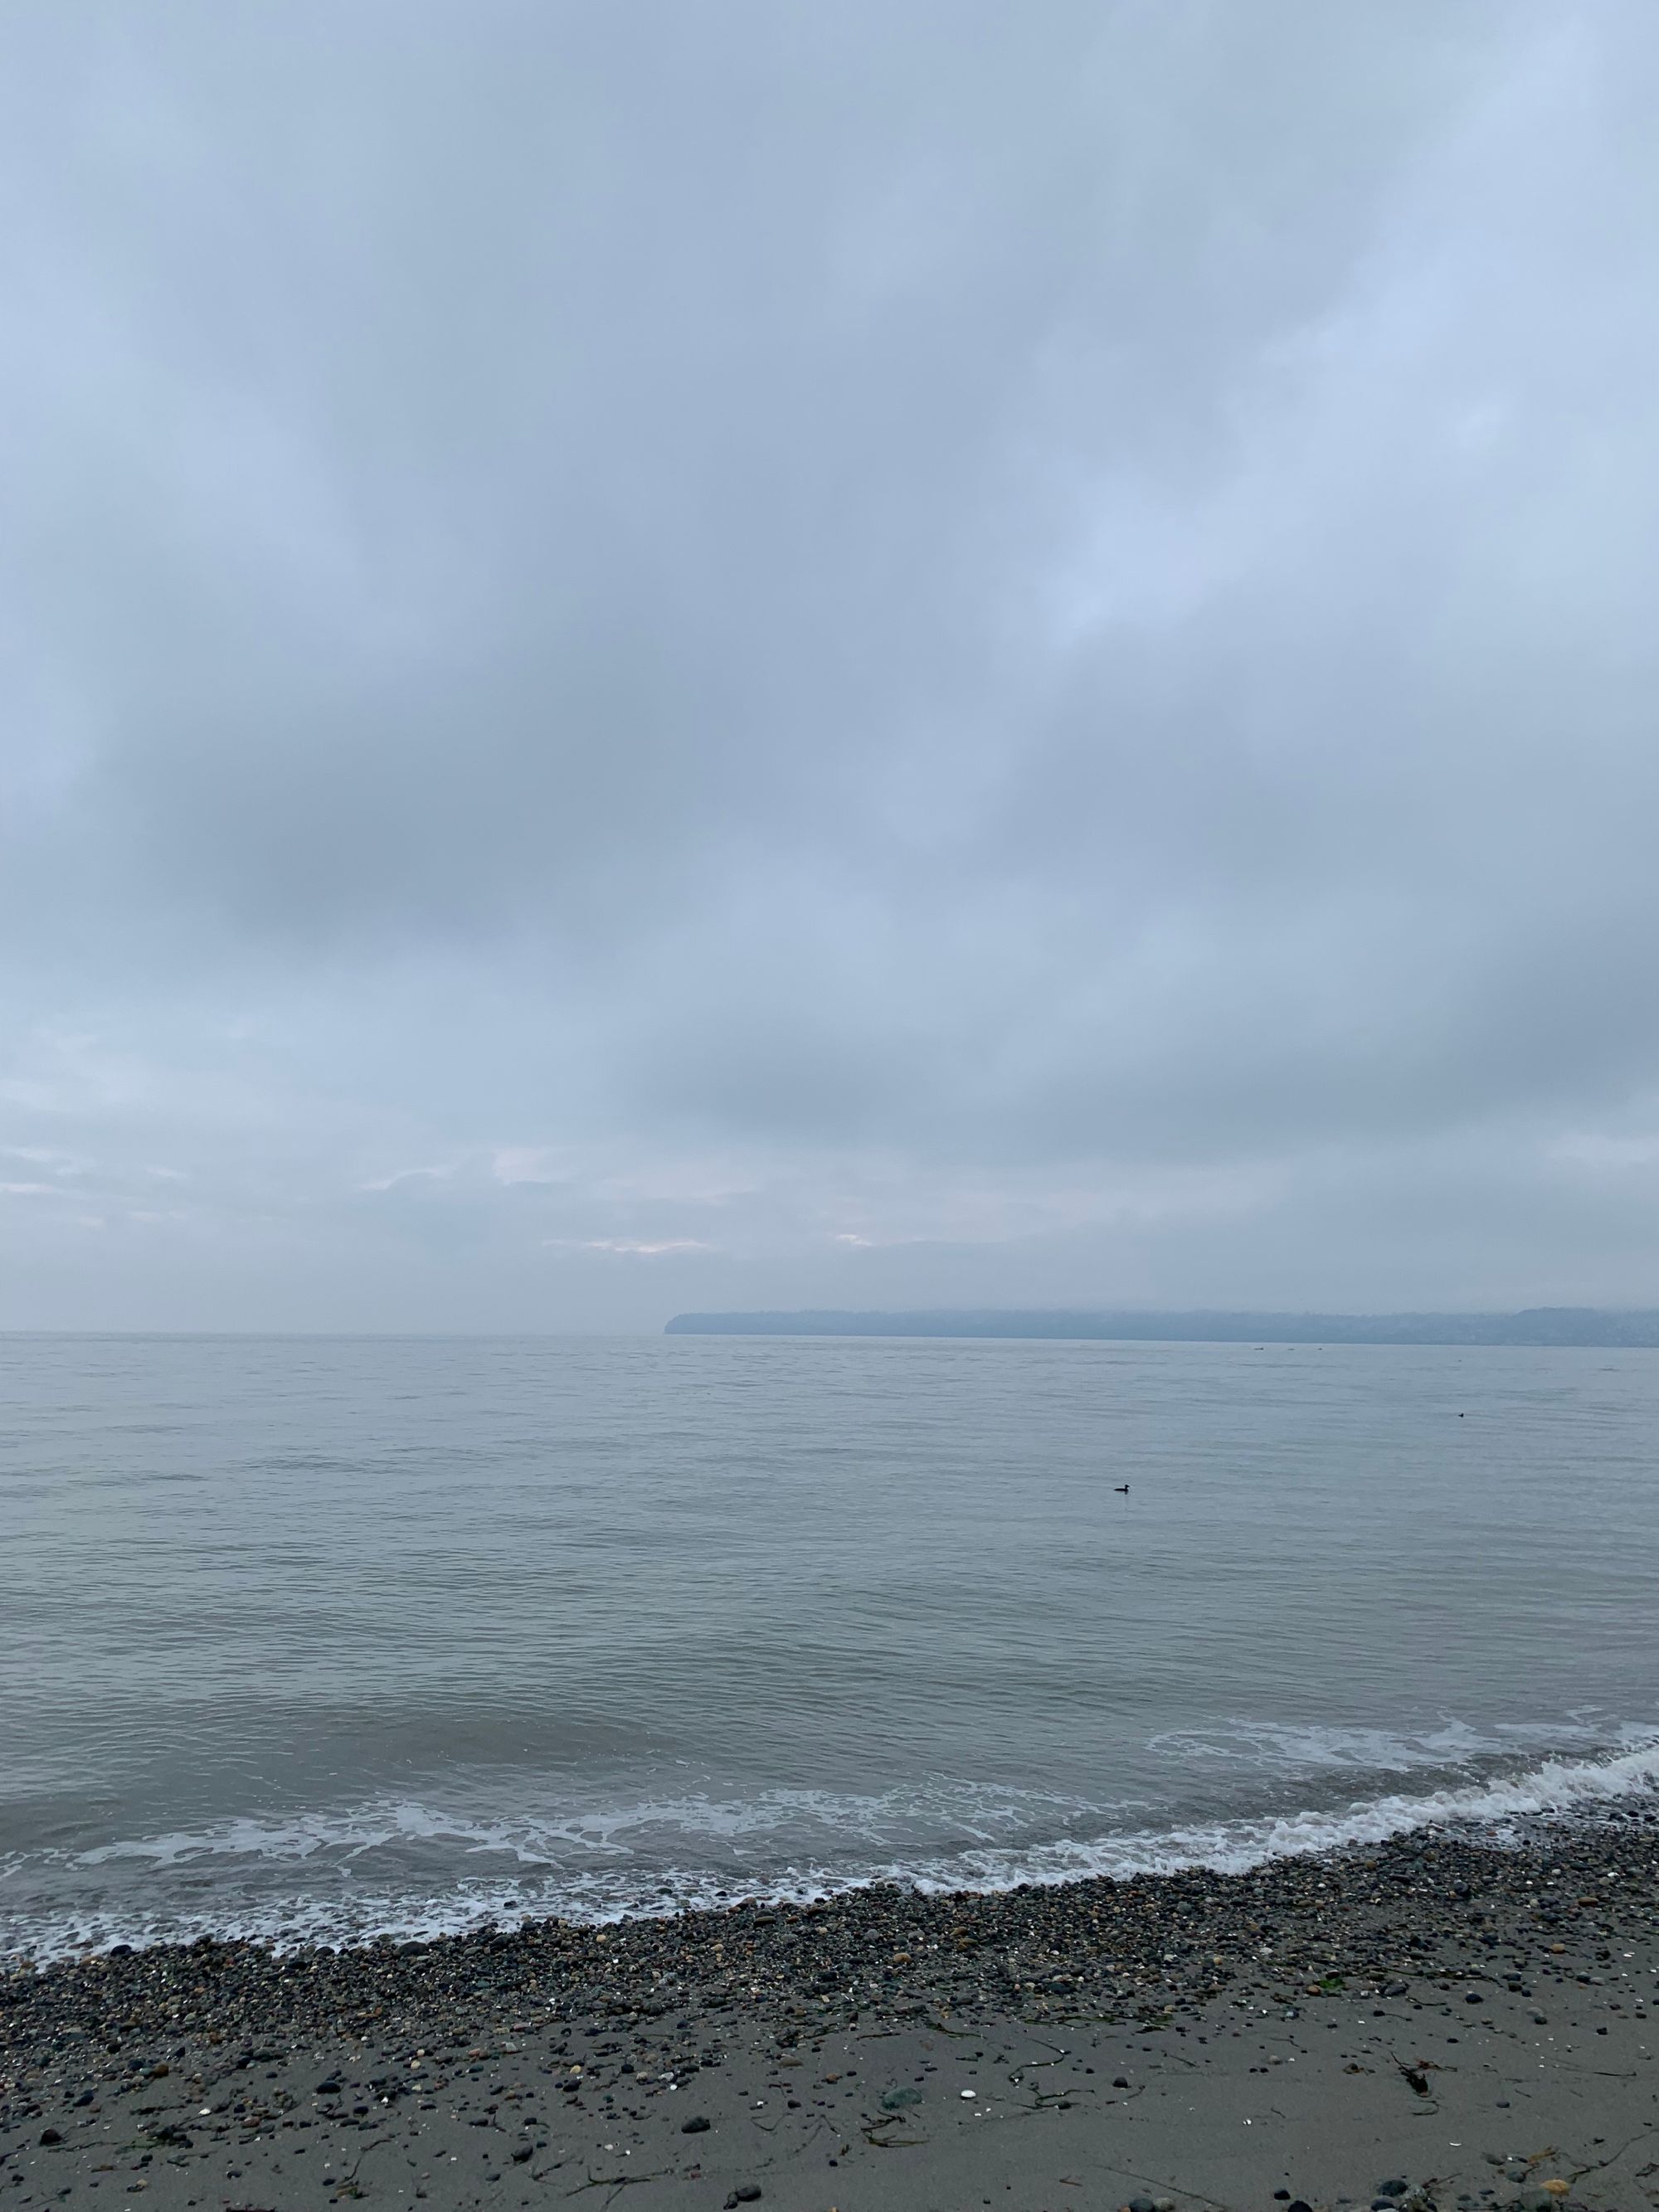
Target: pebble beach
(1446, 2021)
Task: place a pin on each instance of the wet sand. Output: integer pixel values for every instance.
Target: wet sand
(1469, 2026)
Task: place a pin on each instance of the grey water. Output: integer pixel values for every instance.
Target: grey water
(317, 1637)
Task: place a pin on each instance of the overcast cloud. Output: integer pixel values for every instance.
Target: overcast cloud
(661, 654)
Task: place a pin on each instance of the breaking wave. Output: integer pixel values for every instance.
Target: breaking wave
(355, 1904)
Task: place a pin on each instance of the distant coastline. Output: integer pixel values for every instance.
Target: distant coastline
(1587, 1326)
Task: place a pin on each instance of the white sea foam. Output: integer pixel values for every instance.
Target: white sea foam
(346, 1913)
(1266, 1747)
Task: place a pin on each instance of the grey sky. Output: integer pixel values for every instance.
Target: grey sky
(662, 654)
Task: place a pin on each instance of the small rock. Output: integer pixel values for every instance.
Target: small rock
(897, 2101)
(1395, 2187)
(698, 2126)
(50, 2135)
(747, 2192)
(1140, 2205)
(1473, 1996)
(1119, 2081)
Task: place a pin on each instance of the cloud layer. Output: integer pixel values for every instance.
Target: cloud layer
(657, 656)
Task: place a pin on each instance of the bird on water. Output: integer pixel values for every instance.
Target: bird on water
(1121, 1488)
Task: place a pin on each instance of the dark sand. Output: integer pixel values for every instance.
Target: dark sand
(1470, 2026)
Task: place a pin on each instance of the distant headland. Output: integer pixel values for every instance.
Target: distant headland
(1538, 1325)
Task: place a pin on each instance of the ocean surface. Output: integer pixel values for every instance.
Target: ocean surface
(316, 1638)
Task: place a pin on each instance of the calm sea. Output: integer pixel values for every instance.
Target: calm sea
(327, 1637)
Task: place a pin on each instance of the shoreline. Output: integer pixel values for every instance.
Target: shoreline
(1621, 1778)
(290, 2080)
